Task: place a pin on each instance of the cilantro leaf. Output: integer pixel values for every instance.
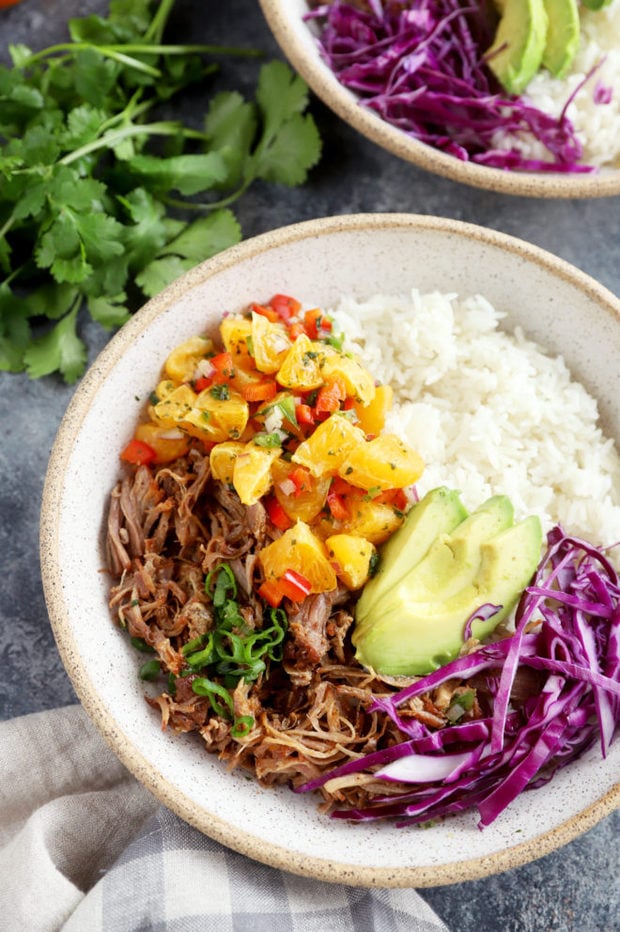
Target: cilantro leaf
(230, 125)
(159, 273)
(14, 331)
(187, 174)
(280, 94)
(294, 149)
(51, 300)
(205, 237)
(148, 232)
(109, 312)
(59, 349)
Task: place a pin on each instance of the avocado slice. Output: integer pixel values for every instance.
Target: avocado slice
(519, 43)
(451, 561)
(596, 4)
(412, 636)
(562, 36)
(439, 512)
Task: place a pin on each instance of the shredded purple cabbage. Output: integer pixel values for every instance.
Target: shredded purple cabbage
(419, 65)
(568, 628)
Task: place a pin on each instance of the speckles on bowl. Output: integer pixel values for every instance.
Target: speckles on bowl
(318, 262)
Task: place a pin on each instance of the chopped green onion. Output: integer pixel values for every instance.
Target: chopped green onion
(150, 670)
(262, 439)
(141, 645)
(243, 726)
(214, 692)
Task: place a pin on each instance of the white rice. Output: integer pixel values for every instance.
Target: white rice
(597, 124)
(489, 412)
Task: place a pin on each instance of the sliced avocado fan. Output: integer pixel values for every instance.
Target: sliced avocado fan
(410, 623)
(562, 36)
(532, 34)
(519, 44)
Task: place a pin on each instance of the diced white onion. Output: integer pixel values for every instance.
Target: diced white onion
(287, 487)
(273, 420)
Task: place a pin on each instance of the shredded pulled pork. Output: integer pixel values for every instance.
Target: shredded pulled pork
(167, 528)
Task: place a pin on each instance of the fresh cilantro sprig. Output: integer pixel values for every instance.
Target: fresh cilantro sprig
(95, 192)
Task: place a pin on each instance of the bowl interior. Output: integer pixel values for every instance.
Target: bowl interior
(295, 38)
(317, 262)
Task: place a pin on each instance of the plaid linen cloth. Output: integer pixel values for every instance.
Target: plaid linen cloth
(85, 848)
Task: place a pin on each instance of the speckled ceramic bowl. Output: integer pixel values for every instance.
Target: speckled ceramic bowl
(316, 261)
(295, 38)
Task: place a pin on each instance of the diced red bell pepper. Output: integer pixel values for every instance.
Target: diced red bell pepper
(304, 415)
(138, 453)
(295, 586)
(203, 382)
(277, 514)
(224, 368)
(260, 391)
(285, 306)
(292, 585)
(271, 592)
(295, 330)
(329, 397)
(337, 505)
(317, 323)
(395, 497)
(300, 477)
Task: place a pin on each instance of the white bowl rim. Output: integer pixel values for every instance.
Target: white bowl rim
(207, 822)
(603, 183)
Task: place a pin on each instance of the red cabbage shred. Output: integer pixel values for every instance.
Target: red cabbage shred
(568, 629)
(419, 65)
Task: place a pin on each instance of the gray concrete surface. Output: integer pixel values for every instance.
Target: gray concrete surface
(575, 888)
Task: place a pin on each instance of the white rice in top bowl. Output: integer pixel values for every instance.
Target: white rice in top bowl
(489, 411)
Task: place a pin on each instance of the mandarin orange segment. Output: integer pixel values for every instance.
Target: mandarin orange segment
(358, 382)
(172, 406)
(252, 472)
(222, 459)
(372, 416)
(235, 333)
(270, 343)
(168, 442)
(304, 505)
(182, 361)
(383, 463)
(352, 556)
(300, 550)
(301, 369)
(331, 443)
(373, 520)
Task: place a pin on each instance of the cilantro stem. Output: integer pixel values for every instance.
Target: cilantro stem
(8, 223)
(114, 52)
(118, 52)
(110, 139)
(212, 205)
(158, 23)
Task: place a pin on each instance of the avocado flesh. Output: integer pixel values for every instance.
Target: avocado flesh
(450, 562)
(410, 636)
(439, 512)
(562, 36)
(519, 44)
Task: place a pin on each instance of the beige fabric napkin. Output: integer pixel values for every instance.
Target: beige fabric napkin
(84, 847)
